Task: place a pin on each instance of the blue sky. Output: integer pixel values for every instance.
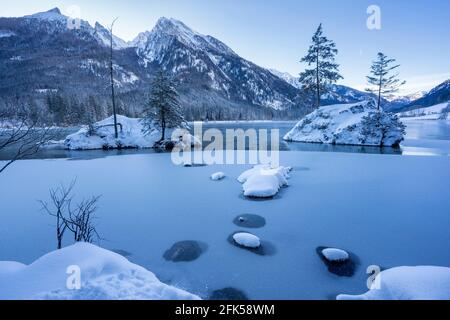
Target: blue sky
(276, 33)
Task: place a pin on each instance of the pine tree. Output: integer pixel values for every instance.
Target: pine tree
(163, 107)
(321, 55)
(382, 80)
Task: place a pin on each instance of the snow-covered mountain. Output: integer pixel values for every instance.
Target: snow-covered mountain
(289, 78)
(104, 37)
(40, 54)
(336, 94)
(399, 103)
(55, 21)
(437, 95)
(189, 55)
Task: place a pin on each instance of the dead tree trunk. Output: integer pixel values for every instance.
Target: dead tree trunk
(111, 67)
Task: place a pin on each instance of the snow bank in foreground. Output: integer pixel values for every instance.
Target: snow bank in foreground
(263, 181)
(130, 136)
(409, 283)
(349, 124)
(105, 275)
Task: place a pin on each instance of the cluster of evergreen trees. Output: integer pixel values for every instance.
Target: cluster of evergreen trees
(323, 70)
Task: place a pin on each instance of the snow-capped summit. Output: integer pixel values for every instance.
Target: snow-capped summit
(104, 37)
(189, 55)
(151, 44)
(53, 14)
(289, 78)
(57, 22)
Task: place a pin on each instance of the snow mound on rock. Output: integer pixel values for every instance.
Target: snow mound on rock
(131, 135)
(247, 240)
(335, 255)
(408, 283)
(217, 176)
(349, 124)
(263, 181)
(104, 276)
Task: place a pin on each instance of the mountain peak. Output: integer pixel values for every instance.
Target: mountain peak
(163, 21)
(176, 28)
(54, 10)
(52, 15)
(167, 28)
(99, 26)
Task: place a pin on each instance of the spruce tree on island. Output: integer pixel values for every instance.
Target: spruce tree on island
(323, 68)
(383, 80)
(163, 108)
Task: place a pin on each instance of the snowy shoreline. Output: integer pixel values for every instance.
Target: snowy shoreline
(97, 274)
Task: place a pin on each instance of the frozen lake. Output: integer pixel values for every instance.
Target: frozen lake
(428, 138)
(387, 210)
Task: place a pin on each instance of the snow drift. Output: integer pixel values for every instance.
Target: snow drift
(105, 276)
(131, 135)
(263, 181)
(349, 124)
(409, 283)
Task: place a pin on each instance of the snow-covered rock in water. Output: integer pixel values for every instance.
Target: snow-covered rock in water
(105, 275)
(217, 176)
(263, 181)
(349, 124)
(335, 255)
(131, 135)
(408, 283)
(247, 240)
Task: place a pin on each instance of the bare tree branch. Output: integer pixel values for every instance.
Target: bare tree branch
(24, 137)
(61, 199)
(79, 220)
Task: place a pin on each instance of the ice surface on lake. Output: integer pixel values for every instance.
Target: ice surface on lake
(388, 210)
(103, 274)
(408, 283)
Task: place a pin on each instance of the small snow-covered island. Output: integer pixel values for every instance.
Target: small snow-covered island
(131, 135)
(350, 124)
(168, 167)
